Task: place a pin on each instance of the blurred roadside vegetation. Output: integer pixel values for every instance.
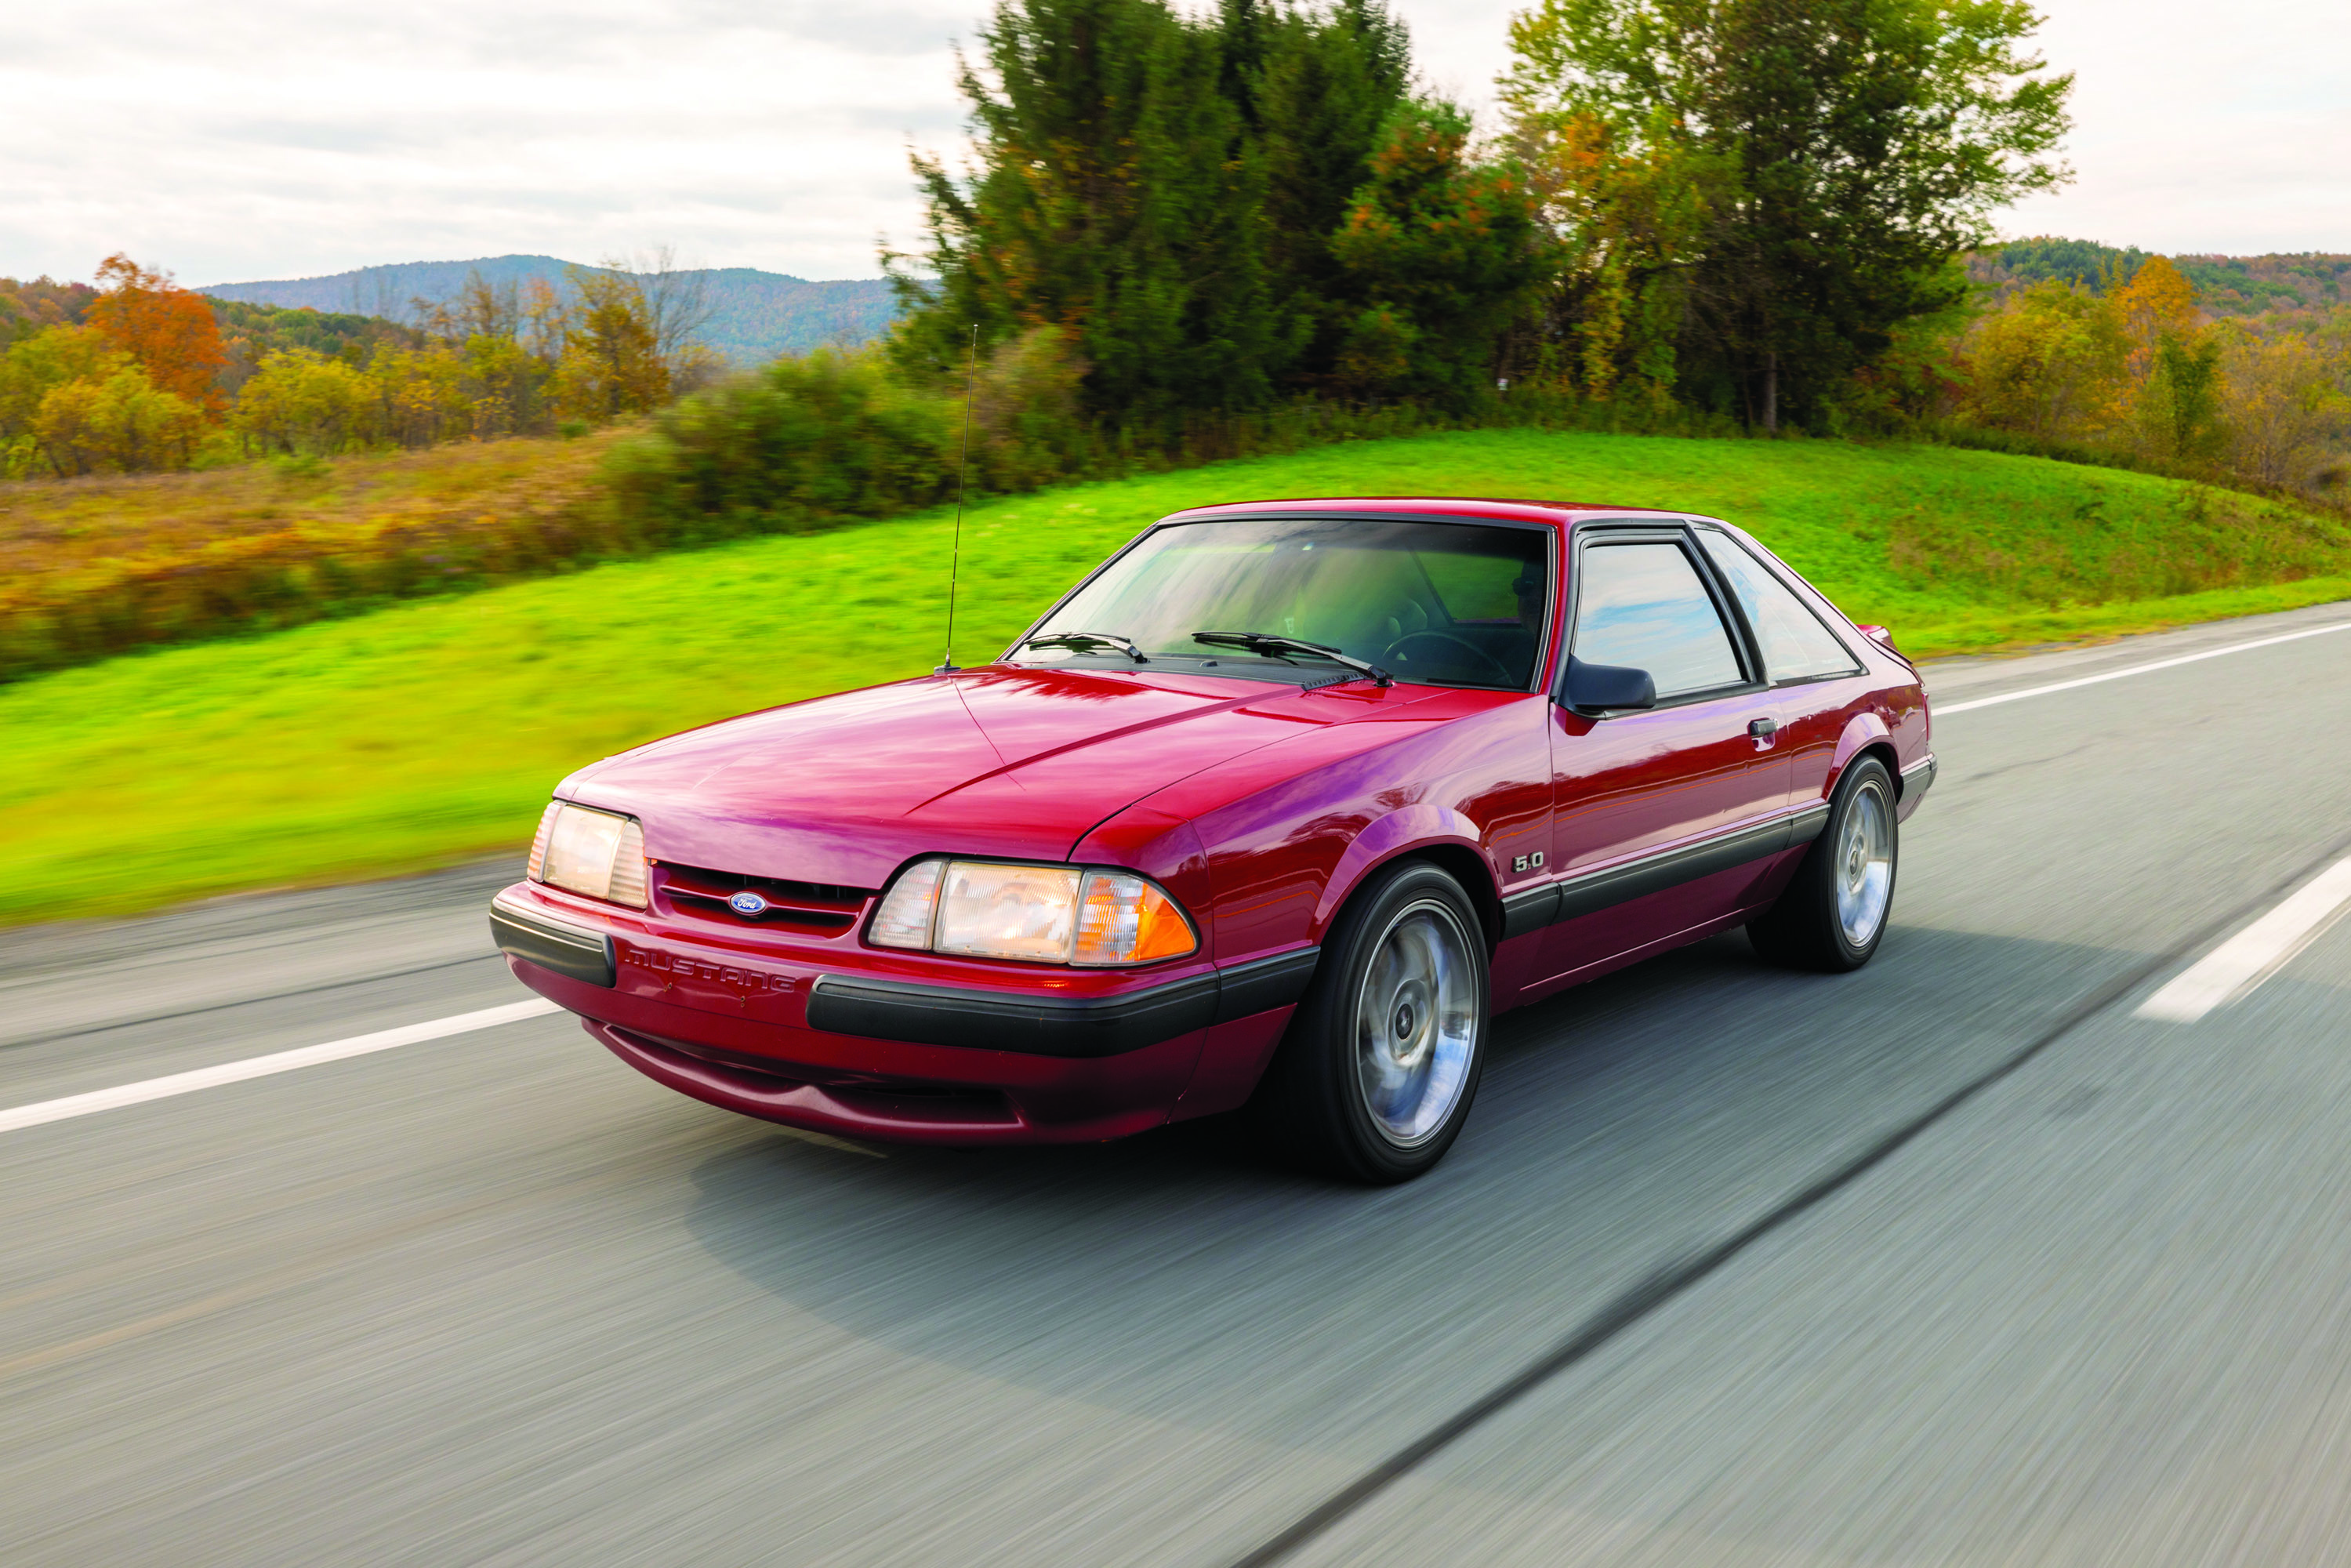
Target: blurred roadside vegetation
(428, 733)
(140, 375)
(117, 562)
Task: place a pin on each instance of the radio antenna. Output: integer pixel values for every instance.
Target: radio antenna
(963, 473)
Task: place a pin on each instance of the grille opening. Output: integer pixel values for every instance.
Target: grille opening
(812, 906)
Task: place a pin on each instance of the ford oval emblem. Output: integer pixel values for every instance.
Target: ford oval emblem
(748, 903)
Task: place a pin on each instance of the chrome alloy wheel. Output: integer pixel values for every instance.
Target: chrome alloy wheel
(1416, 1021)
(1862, 874)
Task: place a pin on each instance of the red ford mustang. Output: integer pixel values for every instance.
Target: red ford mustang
(1278, 806)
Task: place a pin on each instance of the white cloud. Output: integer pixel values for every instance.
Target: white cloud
(276, 139)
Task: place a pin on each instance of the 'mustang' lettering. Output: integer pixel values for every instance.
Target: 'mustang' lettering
(743, 982)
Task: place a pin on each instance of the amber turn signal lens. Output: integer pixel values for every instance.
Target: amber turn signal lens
(1038, 913)
(1124, 919)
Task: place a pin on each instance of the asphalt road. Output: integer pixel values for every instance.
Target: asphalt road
(1958, 1260)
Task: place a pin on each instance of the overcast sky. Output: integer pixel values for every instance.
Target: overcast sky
(290, 138)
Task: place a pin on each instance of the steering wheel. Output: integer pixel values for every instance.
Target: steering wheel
(1399, 651)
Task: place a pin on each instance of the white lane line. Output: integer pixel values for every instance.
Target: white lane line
(88, 1104)
(1943, 711)
(2254, 953)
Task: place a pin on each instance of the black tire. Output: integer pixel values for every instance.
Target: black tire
(1835, 912)
(1341, 1094)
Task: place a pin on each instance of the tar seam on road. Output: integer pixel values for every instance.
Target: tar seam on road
(245, 1002)
(1674, 1278)
(2141, 669)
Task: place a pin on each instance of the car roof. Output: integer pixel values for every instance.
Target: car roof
(1555, 514)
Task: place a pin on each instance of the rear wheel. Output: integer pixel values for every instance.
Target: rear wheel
(1382, 1057)
(1833, 913)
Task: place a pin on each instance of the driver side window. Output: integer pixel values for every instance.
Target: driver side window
(1642, 604)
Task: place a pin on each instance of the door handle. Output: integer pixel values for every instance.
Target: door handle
(1763, 728)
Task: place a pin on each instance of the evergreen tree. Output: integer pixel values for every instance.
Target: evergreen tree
(1118, 196)
(1447, 256)
(1317, 88)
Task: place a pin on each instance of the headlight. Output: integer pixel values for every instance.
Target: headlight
(1044, 914)
(599, 853)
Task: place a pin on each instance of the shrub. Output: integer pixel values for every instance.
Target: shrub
(799, 445)
(117, 423)
(301, 401)
(1029, 429)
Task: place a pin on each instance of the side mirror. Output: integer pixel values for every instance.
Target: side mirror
(1592, 688)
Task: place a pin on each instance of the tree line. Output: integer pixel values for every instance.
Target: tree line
(1748, 212)
(1738, 205)
(136, 374)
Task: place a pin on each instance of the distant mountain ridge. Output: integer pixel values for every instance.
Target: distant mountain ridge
(757, 316)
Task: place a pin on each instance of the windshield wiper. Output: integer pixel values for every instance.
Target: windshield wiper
(1269, 642)
(1082, 640)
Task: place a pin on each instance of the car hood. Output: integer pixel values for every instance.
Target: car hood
(1001, 760)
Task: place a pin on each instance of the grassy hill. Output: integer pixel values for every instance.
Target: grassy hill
(757, 316)
(430, 732)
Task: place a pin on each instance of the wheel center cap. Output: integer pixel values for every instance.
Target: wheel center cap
(1409, 1012)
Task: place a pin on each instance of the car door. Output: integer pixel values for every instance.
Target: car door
(1662, 819)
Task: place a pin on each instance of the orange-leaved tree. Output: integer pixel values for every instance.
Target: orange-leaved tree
(2174, 367)
(169, 331)
(2158, 298)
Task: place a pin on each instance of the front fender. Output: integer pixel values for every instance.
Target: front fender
(1406, 829)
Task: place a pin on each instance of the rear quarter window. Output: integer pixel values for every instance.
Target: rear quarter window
(1795, 645)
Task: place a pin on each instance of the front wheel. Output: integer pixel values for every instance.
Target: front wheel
(1833, 913)
(1382, 1057)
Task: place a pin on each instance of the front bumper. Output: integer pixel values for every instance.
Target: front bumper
(828, 1035)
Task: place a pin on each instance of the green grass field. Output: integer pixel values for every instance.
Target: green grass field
(432, 732)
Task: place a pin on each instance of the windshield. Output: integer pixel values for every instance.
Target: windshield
(1442, 603)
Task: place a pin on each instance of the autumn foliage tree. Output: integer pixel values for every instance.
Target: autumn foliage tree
(2289, 405)
(1629, 219)
(2052, 363)
(169, 331)
(610, 363)
(2174, 399)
